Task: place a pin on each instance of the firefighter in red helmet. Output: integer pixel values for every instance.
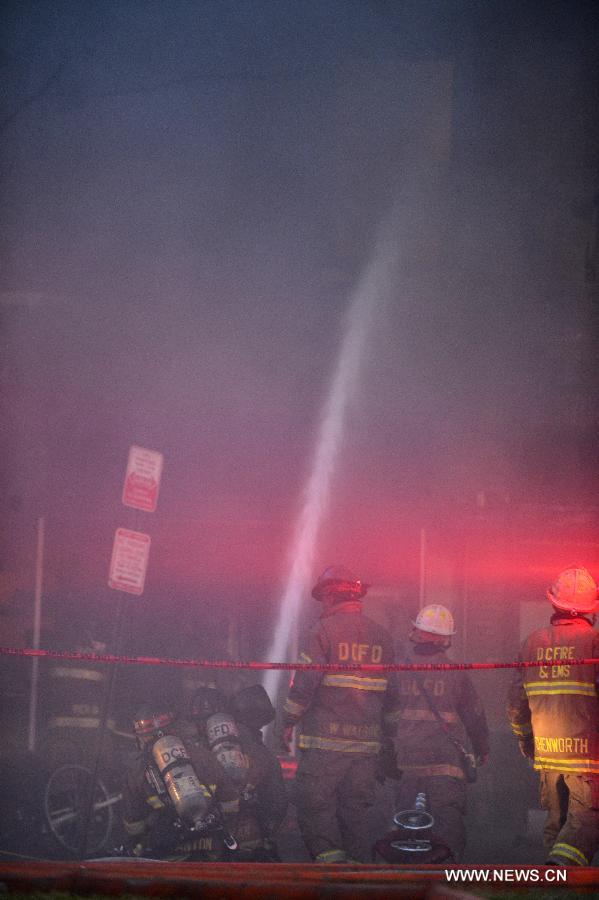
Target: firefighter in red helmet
(343, 717)
(554, 712)
(441, 715)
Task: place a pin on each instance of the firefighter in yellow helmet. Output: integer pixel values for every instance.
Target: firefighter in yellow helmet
(554, 713)
(439, 711)
(342, 718)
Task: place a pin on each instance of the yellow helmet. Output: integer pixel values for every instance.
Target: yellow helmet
(574, 592)
(435, 619)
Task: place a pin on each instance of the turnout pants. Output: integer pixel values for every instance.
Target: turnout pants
(571, 835)
(333, 794)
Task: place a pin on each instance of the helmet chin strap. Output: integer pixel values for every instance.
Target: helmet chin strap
(422, 638)
(573, 614)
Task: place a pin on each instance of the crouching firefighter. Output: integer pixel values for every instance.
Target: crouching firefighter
(343, 717)
(249, 765)
(554, 712)
(175, 798)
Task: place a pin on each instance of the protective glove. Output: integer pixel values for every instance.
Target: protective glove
(140, 849)
(283, 738)
(527, 747)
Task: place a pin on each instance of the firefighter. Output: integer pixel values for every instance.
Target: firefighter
(73, 697)
(253, 768)
(343, 717)
(554, 712)
(168, 818)
(437, 708)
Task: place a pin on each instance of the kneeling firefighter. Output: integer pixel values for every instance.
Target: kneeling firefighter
(344, 717)
(437, 709)
(247, 763)
(175, 796)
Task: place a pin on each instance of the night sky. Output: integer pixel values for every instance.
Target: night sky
(190, 193)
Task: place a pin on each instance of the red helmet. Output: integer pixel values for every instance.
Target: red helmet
(339, 583)
(574, 592)
(148, 722)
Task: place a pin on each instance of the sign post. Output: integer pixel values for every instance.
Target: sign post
(127, 573)
(37, 623)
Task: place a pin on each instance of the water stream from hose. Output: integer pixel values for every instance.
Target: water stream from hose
(373, 287)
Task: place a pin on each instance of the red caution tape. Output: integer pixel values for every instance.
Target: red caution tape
(321, 667)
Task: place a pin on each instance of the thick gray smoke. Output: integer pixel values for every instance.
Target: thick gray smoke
(191, 196)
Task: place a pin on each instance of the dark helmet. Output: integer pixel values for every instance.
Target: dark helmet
(338, 584)
(206, 701)
(252, 707)
(150, 722)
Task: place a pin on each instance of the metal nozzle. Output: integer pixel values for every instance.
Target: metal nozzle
(416, 819)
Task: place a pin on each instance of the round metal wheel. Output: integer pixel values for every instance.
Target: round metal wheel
(66, 800)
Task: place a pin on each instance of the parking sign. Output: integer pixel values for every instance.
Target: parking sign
(142, 478)
(129, 561)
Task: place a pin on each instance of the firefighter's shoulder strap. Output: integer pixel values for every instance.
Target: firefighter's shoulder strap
(467, 760)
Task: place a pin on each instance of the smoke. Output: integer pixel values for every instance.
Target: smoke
(367, 299)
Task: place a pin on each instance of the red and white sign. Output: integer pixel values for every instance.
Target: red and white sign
(142, 479)
(129, 562)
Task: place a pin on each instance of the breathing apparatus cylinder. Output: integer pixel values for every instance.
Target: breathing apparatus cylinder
(189, 797)
(224, 741)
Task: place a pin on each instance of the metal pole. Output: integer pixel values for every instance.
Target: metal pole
(37, 624)
(466, 598)
(421, 592)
